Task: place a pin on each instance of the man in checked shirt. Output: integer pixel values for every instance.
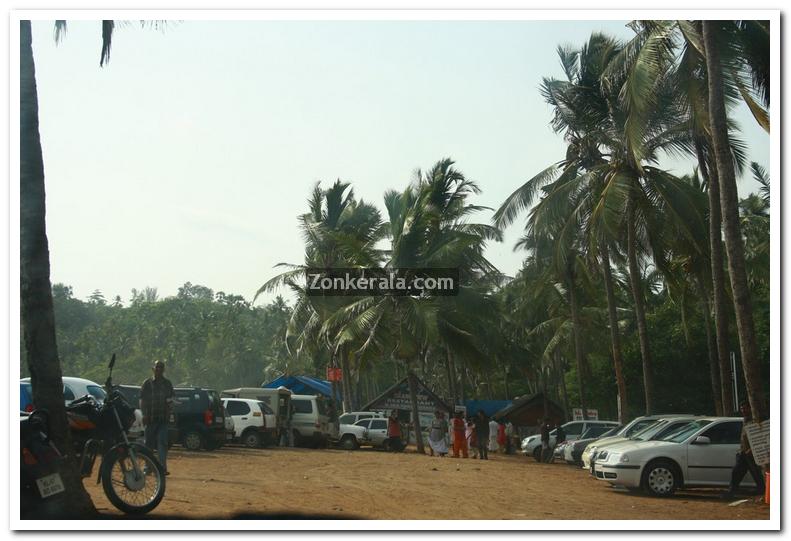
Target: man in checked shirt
(156, 396)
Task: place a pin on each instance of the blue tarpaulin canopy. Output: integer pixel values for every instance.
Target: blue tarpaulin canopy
(303, 385)
(489, 407)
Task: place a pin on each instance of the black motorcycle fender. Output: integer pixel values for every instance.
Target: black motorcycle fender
(107, 464)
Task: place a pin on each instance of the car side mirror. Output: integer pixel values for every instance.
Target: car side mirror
(702, 440)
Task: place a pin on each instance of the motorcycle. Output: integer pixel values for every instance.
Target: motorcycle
(40, 464)
(131, 476)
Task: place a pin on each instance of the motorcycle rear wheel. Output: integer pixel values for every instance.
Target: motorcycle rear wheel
(130, 493)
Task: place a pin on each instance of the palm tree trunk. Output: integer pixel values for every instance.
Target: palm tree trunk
(729, 200)
(639, 306)
(563, 389)
(346, 383)
(38, 319)
(451, 383)
(615, 336)
(577, 330)
(463, 381)
(718, 286)
(412, 378)
(711, 341)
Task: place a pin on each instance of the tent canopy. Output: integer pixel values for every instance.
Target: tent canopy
(489, 407)
(303, 385)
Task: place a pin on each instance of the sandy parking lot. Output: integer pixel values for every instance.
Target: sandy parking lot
(371, 484)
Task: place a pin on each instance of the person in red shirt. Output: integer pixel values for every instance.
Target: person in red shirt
(394, 431)
(459, 438)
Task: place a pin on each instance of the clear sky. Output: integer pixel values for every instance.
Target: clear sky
(190, 155)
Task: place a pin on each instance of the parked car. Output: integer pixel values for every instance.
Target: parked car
(371, 431)
(72, 388)
(655, 430)
(132, 395)
(367, 431)
(532, 444)
(277, 400)
(572, 452)
(354, 416)
(698, 454)
(310, 421)
(248, 419)
(197, 420)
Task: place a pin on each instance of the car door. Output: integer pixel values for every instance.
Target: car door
(711, 463)
(241, 414)
(366, 424)
(378, 431)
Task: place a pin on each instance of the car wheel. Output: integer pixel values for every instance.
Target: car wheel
(252, 439)
(661, 478)
(193, 441)
(349, 442)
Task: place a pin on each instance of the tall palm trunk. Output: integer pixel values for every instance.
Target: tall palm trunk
(38, 320)
(576, 324)
(729, 199)
(639, 306)
(615, 337)
(412, 378)
(718, 281)
(346, 383)
(449, 370)
(711, 342)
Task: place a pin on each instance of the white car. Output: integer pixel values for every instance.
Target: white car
(655, 429)
(249, 423)
(699, 454)
(74, 388)
(353, 416)
(371, 431)
(531, 445)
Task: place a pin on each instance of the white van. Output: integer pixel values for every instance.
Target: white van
(310, 420)
(277, 400)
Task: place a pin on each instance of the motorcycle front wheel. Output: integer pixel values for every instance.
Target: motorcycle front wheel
(133, 491)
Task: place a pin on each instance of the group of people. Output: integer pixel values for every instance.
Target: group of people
(476, 435)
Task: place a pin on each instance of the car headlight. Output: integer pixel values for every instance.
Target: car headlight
(613, 458)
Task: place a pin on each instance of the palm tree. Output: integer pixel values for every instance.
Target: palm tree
(428, 228)
(732, 228)
(38, 322)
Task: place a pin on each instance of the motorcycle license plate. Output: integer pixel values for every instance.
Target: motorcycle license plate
(50, 485)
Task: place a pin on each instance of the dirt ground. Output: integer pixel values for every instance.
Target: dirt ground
(368, 484)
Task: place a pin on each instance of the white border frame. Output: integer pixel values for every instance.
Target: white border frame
(403, 15)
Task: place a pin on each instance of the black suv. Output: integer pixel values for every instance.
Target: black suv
(197, 420)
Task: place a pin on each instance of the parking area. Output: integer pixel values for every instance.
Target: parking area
(369, 484)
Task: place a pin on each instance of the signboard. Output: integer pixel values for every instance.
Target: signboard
(593, 415)
(758, 436)
(334, 374)
(397, 398)
(462, 409)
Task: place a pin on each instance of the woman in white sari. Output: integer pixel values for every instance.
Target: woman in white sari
(437, 435)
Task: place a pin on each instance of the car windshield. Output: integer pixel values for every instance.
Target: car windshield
(611, 432)
(638, 426)
(96, 392)
(684, 431)
(648, 429)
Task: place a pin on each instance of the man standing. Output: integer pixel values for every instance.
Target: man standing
(744, 459)
(394, 431)
(156, 396)
(545, 450)
(482, 431)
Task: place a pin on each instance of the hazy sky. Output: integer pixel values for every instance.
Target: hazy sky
(190, 155)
